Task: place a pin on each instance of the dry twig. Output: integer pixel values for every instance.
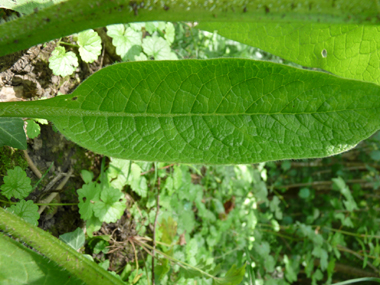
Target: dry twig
(32, 166)
(54, 194)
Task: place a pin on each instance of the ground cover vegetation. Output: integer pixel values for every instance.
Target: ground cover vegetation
(273, 222)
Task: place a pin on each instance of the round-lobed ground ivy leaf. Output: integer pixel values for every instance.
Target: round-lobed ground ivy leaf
(93, 225)
(140, 57)
(112, 205)
(118, 172)
(87, 176)
(150, 27)
(16, 184)
(26, 210)
(41, 121)
(158, 48)
(32, 129)
(88, 195)
(137, 26)
(90, 45)
(126, 40)
(63, 63)
(169, 32)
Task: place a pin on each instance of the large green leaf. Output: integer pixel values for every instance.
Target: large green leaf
(21, 265)
(218, 111)
(12, 133)
(350, 51)
(73, 16)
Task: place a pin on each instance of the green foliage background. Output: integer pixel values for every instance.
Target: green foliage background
(286, 222)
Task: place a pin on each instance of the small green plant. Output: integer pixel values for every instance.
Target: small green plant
(33, 128)
(18, 185)
(64, 63)
(99, 202)
(140, 41)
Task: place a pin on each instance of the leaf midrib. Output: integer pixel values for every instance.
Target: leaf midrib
(58, 112)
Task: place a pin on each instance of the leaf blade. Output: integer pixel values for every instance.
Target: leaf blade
(74, 16)
(21, 265)
(347, 50)
(12, 133)
(218, 111)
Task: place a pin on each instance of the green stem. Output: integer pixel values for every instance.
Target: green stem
(352, 234)
(331, 229)
(56, 204)
(227, 253)
(280, 235)
(68, 44)
(40, 204)
(7, 202)
(56, 250)
(364, 279)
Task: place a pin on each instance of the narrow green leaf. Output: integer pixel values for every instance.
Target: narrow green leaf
(74, 16)
(54, 249)
(346, 50)
(218, 111)
(12, 133)
(21, 265)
